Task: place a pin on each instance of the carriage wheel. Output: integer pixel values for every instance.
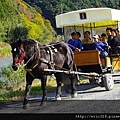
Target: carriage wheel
(108, 82)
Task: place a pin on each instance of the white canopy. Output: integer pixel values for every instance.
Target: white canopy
(92, 17)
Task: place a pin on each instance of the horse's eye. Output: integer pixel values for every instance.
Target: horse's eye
(15, 50)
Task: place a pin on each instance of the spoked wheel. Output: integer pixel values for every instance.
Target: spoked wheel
(108, 82)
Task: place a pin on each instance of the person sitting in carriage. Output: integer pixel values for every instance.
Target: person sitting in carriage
(74, 43)
(103, 48)
(99, 45)
(87, 39)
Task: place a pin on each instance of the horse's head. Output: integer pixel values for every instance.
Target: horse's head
(18, 53)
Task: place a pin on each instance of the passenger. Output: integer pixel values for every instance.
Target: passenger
(98, 45)
(108, 32)
(86, 39)
(114, 42)
(74, 43)
(78, 36)
(118, 33)
(105, 41)
(103, 49)
(104, 38)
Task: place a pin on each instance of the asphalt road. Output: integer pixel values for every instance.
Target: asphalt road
(91, 99)
(5, 61)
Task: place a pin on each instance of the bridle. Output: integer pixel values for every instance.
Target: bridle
(17, 60)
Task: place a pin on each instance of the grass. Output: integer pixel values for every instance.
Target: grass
(5, 49)
(17, 88)
(35, 90)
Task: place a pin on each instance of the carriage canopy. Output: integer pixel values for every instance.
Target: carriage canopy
(92, 17)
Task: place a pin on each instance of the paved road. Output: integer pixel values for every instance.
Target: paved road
(5, 61)
(91, 99)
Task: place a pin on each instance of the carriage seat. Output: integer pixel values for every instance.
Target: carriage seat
(90, 57)
(90, 61)
(88, 47)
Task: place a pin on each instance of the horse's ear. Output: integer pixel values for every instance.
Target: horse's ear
(20, 40)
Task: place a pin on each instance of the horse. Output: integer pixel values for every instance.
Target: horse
(37, 57)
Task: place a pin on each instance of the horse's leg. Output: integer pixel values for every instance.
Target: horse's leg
(59, 82)
(43, 85)
(29, 80)
(73, 88)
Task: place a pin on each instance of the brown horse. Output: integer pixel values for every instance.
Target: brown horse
(38, 57)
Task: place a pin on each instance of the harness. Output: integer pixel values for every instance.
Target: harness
(49, 49)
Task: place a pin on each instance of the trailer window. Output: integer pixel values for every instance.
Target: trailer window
(83, 15)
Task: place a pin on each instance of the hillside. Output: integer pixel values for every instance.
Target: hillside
(50, 8)
(20, 20)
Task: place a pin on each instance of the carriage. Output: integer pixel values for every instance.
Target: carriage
(88, 62)
(42, 60)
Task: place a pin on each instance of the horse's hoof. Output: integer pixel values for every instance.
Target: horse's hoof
(43, 104)
(26, 106)
(58, 98)
(74, 95)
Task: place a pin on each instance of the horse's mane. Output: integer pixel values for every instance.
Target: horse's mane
(30, 43)
(58, 42)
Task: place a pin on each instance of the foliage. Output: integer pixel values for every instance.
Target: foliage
(11, 80)
(20, 20)
(5, 49)
(12, 84)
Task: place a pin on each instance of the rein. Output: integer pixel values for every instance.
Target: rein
(35, 62)
(29, 59)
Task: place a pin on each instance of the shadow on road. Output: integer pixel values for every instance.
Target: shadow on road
(88, 86)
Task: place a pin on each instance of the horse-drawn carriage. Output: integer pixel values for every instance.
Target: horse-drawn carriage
(42, 60)
(95, 20)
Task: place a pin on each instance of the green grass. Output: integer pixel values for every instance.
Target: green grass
(5, 49)
(35, 90)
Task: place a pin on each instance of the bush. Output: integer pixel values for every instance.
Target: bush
(5, 49)
(11, 80)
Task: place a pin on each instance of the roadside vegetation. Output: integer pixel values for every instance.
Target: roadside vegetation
(12, 84)
(5, 50)
(20, 20)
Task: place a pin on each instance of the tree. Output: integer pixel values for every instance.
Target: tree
(110, 4)
(20, 32)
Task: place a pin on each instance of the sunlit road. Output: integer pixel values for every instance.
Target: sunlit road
(91, 99)
(5, 61)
